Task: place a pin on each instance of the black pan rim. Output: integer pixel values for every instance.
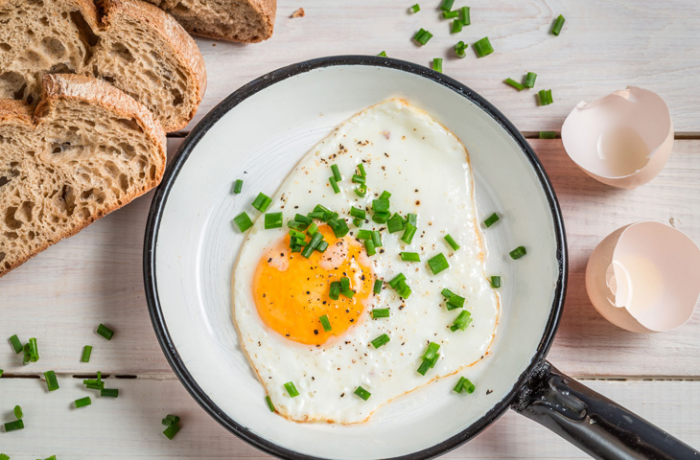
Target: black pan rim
(160, 200)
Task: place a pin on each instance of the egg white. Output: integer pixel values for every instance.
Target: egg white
(426, 169)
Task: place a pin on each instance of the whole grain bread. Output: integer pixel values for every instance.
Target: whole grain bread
(87, 150)
(132, 44)
(247, 21)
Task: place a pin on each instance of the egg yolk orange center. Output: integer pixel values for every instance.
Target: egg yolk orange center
(292, 292)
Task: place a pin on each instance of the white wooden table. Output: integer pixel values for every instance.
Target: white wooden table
(63, 294)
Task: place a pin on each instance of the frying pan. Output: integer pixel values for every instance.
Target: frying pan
(258, 134)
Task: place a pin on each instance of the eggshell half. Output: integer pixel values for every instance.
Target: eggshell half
(645, 277)
(623, 139)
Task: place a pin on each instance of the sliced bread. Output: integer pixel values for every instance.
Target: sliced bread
(135, 46)
(247, 21)
(86, 151)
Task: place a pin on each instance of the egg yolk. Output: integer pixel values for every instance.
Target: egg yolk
(292, 292)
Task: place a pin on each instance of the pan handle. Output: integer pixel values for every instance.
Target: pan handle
(592, 422)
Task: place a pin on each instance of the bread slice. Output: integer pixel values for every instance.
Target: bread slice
(247, 21)
(135, 46)
(88, 150)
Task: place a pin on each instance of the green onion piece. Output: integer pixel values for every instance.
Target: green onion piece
(425, 365)
(370, 247)
(323, 209)
(548, 135)
(262, 202)
(33, 350)
(483, 47)
(438, 263)
(447, 293)
(358, 179)
(385, 195)
(82, 402)
(18, 413)
(395, 223)
(558, 24)
(463, 320)
(518, 252)
(14, 426)
(51, 380)
(437, 65)
(357, 212)
(27, 355)
(357, 222)
(109, 392)
(361, 191)
(464, 385)
(412, 219)
(362, 393)
(325, 322)
(465, 16)
(492, 219)
(382, 54)
(361, 168)
(378, 286)
(297, 234)
(422, 37)
(336, 173)
(322, 246)
(269, 404)
(4, 457)
(403, 290)
(380, 341)
(171, 431)
(451, 241)
(460, 48)
(447, 5)
(408, 233)
(238, 186)
(344, 283)
(380, 217)
(380, 313)
(376, 239)
(293, 224)
(415, 8)
(313, 228)
(455, 301)
(95, 386)
(349, 294)
(303, 219)
(273, 220)
(549, 96)
(456, 26)
(396, 280)
(380, 205)
(105, 332)
(16, 344)
(291, 389)
(334, 185)
(459, 387)
(339, 226)
(530, 79)
(450, 14)
(1, 372)
(431, 353)
(495, 282)
(545, 97)
(309, 248)
(410, 257)
(171, 419)
(364, 234)
(243, 222)
(87, 351)
(514, 84)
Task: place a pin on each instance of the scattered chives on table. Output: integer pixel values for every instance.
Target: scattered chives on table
(238, 186)
(460, 49)
(109, 392)
(518, 252)
(243, 222)
(33, 350)
(483, 47)
(438, 263)
(548, 135)
(447, 5)
(380, 341)
(415, 8)
(558, 24)
(105, 332)
(545, 97)
(83, 402)
(530, 80)
(380, 313)
(514, 84)
(87, 352)
(450, 14)
(362, 393)
(14, 426)
(1, 372)
(171, 431)
(51, 380)
(492, 219)
(262, 202)
(16, 344)
(451, 241)
(382, 54)
(422, 36)
(269, 404)
(495, 282)
(291, 389)
(171, 420)
(18, 413)
(465, 14)
(456, 26)
(4, 457)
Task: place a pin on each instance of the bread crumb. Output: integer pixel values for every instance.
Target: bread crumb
(299, 13)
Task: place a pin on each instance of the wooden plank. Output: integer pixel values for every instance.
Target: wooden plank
(131, 424)
(604, 46)
(95, 277)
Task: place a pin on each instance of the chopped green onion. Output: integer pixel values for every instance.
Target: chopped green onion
(361, 168)
(370, 247)
(456, 26)
(465, 16)
(336, 173)
(415, 8)
(412, 219)
(447, 5)
(18, 412)
(437, 65)
(171, 419)
(87, 351)
(403, 290)
(451, 241)
(395, 223)
(362, 393)
(361, 190)
(262, 202)
(380, 341)
(344, 283)
(243, 222)
(514, 84)
(357, 222)
(492, 219)
(335, 290)
(385, 195)
(4, 457)
(358, 179)
(407, 236)
(238, 186)
(422, 36)
(27, 358)
(364, 234)
(382, 54)
(396, 280)
(545, 97)
(33, 350)
(463, 320)
(349, 294)
(410, 257)
(339, 226)
(438, 263)
(548, 135)
(273, 220)
(334, 185)
(455, 301)
(16, 344)
(309, 248)
(483, 47)
(460, 48)
(450, 14)
(376, 239)
(325, 322)
(447, 293)
(51, 380)
(430, 357)
(380, 217)
(82, 402)
(1, 372)
(464, 385)
(303, 219)
(380, 313)
(378, 286)
(269, 404)
(518, 252)
(171, 431)
(530, 79)
(322, 246)
(357, 212)
(495, 282)
(105, 332)
(109, 392)
(313, 228)
(558, 24)
(380, 205)
(14, 426)
(291, 389)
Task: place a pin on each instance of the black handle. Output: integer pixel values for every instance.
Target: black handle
(594, 423)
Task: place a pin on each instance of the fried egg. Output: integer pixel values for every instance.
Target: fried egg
(280, 297)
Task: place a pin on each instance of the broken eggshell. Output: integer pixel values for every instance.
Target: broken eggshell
(645, 277)
(623, 139)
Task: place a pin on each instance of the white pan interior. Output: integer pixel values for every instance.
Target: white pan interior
(260, 140)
